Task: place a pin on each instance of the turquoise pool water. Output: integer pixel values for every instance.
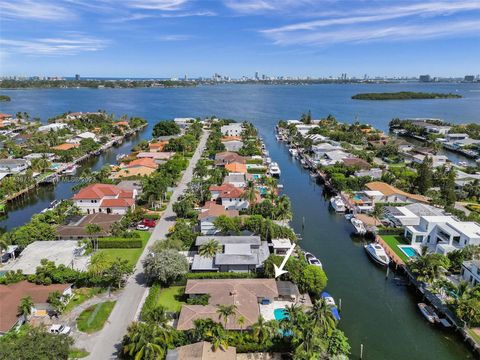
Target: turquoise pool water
(256, 176)
(409, 251)
(279, 314)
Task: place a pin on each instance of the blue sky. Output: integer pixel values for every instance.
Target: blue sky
(165, 38)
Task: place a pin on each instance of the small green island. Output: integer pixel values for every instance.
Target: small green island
(5, 98)
(404, 95)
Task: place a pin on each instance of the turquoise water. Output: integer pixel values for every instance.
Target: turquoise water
(396, 331)
(409, 251)
(280, 314)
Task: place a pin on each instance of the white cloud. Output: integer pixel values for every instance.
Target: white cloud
(173, 37)
(70, 45)
(36, 10)
(164, 5)
(249, 5)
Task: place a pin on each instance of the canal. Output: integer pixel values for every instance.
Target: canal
(379, 313)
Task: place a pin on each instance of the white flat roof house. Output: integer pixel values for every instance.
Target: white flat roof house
(409, 215)
(234, 129)
(303, 129)
(78, 138)
(183, 122)
(471, 272)
(52, 127)
(438, 129)
(319, 150)
(443, 234)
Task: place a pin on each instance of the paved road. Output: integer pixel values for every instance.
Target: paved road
(108, 341)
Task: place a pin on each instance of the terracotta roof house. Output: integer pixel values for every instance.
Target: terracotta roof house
(157, 156)
(133, 172)
(11, 295)
(105, 198)
(244, 293)
(229, 196)
(227, 157)
(157, 146)
(392, 194)
(76, 229)
(145, 162)
(65, 147)
(357, 163)
(122, 123)
(5, 116)
(236, 167)
(209, 213)
(202, 350)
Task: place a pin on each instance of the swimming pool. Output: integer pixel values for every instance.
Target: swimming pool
(408, 250)
(256, 176)
(280, 314)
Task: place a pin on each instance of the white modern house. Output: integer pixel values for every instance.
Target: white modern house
(374, 173)
(233, 145)
(321, 149)
(183, 122)
(437, 129)
(47, 156)
(52, 127)
(234, 129)
(471, 272)
(13, 166)
(236, 179)
(78, 138)
(442, 234)
(304, 129)
(410, 215)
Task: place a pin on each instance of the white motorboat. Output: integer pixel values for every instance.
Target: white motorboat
(377, 253)
(358, 225)
(312, 260)
(349, 216)
(71, 170)
(337, 204)
(268, 161)
(274, 169)
(428, 313)
(293, 152)
(463, 163)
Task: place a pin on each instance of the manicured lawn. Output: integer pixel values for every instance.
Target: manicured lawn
(93, 318)
(77, 353)
(172, 298)
(131, 255)
(81, 295)
(393, 241)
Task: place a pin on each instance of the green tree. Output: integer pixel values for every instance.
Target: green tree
(225, 311)
(424, 179)
(166, 266)
(165, 128)
(145, 341)
(99, 263)
(25, 307)
(93, 231)
(250, 193)
(338, 343)
(209, 249)
(56, 301)
(261, 331)
(313, 279)
(322, 317)
(429, 267)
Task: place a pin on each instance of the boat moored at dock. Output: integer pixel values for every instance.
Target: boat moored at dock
(428, 313)
(337, 204)
(377, 253)
(312, 259)
(274, 169)
(358, 225)
(331, 304)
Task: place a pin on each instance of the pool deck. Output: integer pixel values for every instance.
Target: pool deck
(267, 311)
(393, 256)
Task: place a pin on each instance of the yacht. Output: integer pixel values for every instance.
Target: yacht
(312, 260)
(338, 204)
(377, 253)
(293, 152)
(274, 169)
(52, 206)
(358, 225)
(71, 170)
(428, 313)
(331, 304)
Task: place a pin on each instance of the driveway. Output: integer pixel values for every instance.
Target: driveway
(108, 342)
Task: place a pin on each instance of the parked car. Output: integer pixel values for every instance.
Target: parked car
(149, 222)
(60, 329)
(142, 227)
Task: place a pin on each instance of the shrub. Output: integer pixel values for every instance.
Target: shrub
(150, 301)
(199, 300)
(166, 266)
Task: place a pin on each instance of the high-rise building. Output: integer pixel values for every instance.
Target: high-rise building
(256, 75)
(424, 78)
(469, 78)
(77, 77)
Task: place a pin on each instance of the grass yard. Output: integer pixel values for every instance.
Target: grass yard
(131, 255)
(77, 353)
(172, 298)
(93, 318)
(81, 295)
(393, 241)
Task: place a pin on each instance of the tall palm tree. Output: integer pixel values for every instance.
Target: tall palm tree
(25, 307)
(261, 330)
(218, 337)
(322, 316)
(284, 208)
(377, 212)
(99, 262)
(92, 231)
(241, 322)
(209, 249)
(225, 311)
(250, 193)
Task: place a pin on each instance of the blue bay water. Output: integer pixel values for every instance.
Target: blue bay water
(375, 312)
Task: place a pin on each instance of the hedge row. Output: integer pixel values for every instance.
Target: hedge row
(219, 275)
(151, 216)
(119, 243)
(150, 301)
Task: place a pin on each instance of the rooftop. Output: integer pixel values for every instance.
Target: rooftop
(213, 209)
(77, 227)
(201, 351)
(388, 190)
(224, 240)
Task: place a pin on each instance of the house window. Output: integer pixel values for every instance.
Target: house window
(419, 238)
(456, 240)
(408, 235)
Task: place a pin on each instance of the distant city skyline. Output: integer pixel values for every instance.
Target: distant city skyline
(289, 38)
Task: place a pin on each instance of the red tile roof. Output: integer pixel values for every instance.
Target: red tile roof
(117, 203)
(148, 162)
(99, 191)
(213, 209)
(4, 116)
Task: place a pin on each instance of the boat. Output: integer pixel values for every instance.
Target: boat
(312, 259)
(337, 204)
(462, 163)
(120, 157)
(274, 169)
(358, 225)
(71, 170)
(331, 304)
(377, 253)
(304, 164)
(349, 216)
(268, 160)
(52, 206)
(428, 313)
(293, 152)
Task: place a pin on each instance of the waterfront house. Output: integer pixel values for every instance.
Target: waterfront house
(437, 129)
(304, 129)
(442, 234)
(183, 122)
(82, 136)
(410, 214)
(236, 167)
(157, 146)
(471, 272)
(333, 157)
(234, 129)
(11, 296)
(456, 137)
(104, 198)
(52, 127)
(6, 120)
(463, 178)
(209, 213)
(202, 350)
(136, 171)
(356, 163)
(280, 246)
(62, 252)
(390, 194)
(237, 254)
(76, 228)
(238, 180)
(141, 162)
(227, 157)
(230, 197)
(319, 150)
(158, 157)
(437, 160)
(316, 138)
(65, 147)
(232, 145)
(13, 166)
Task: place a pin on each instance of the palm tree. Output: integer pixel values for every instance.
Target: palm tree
(322, 317)
(225, 311)
(25, 307)
(143, 341)
(157, 315)
(262, 330)
(209, 249)
(99, 263)
(284, 208)
(218, 337)
(3, 245)
(377, 212)
(250, 193)
(93, 229)
(241, 322)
